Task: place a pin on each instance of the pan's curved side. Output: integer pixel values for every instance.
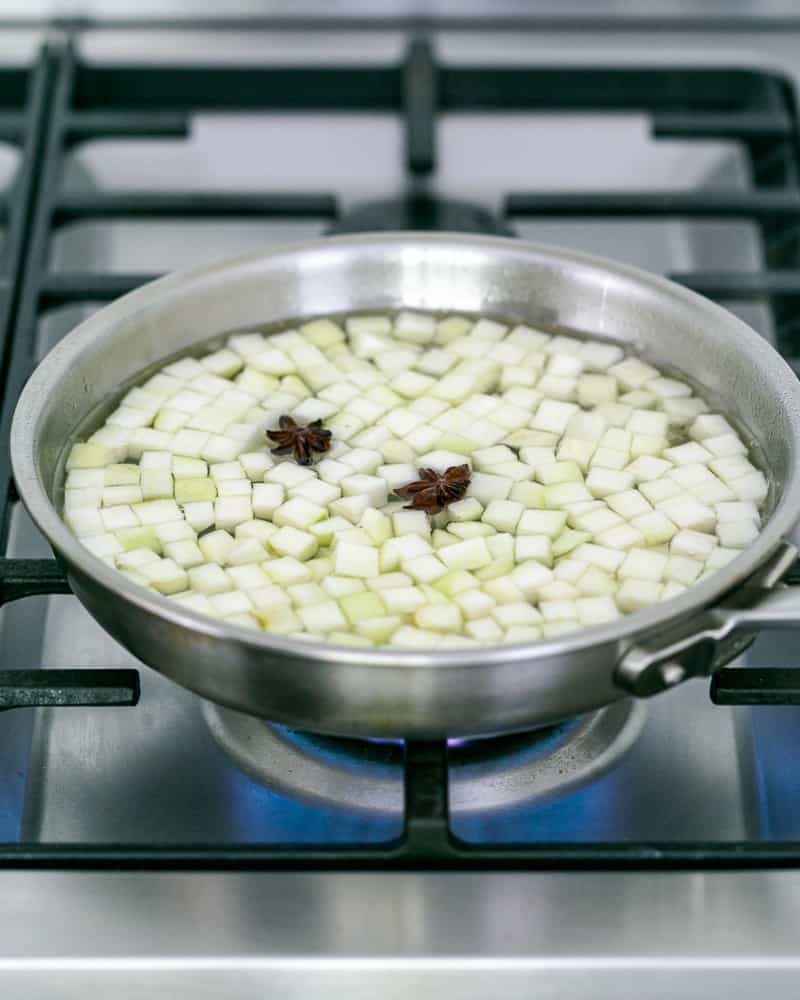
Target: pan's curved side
(348, 699)
(386, 691)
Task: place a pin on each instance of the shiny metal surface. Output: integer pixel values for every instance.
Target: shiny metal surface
(385, 692)
(155, 775)
(428, 935)
(484, 775)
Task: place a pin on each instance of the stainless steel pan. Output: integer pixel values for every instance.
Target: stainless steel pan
(386, 692)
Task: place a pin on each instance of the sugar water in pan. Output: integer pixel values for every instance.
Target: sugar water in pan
(414, 480)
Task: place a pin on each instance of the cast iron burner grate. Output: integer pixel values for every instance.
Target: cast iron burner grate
(485, 774)
(63, 100)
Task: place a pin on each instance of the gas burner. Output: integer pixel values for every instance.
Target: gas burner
(485, 774)
(420, 212)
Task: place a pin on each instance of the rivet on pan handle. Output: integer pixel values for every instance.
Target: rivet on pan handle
(707, 642)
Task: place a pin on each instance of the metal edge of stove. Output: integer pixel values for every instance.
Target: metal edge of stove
(581, 935)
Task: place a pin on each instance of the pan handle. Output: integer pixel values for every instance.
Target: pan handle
(707, 642)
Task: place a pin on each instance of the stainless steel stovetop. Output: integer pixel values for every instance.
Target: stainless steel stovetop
(680, 771)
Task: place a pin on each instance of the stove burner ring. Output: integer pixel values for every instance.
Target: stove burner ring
(485, 774)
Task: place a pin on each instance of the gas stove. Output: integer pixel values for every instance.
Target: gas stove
(155, 844)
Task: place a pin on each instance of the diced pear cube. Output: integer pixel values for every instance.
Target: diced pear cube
(595, 521)
(135, 539)
(565, 495)
(687, 512)
(647, 467)
(287, 570)
(737, 534)
(256, 465)
(484, 630)
(356, 560)
(246, 550)
(185, 553)
(606, 482)
(165, 576)
(655, 526)
(439, 618)
(352, 508)
(659, 489)
(189, 443)
(737, 511)
(230, 511)
(566, 541)
(87, 496)
(424, 569)
(503, 515)
(156, 511)
(709, 425)
(557, 611)
(528, 494)
(89, 456)
(104, 546)
(642, 564)
(682, 570)
(636, 594)
(234, 602)
(694, 544)
(596, 610)
(188, 468)
(411, 522)
(595, 582)
(195, 490)
(542, 522)
(528, 577)
(288, 474)
(156, 484)
(174, 531)
(402, 600)
(377, 525)
(622, 536)
(536, 547)
(599, 555)
(467, 555)
(340, 586)
(248, 577)
(628, 504)
(361, 606)
(610, 458)
(485, 487)
(301, 545)
(751, 487)
(306, 594)
(111, 496)
(516, 613)
(216, 546)
(298, 513)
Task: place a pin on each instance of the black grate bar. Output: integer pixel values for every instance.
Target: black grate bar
(756, 686)
(61, 289)
(15, 351)
(63, 688)
(757, 204)
(721, 125)
(240, 88)
(420, 98)
(82, 125)
(741, 285)
(603, 88)
(28, 577)
(199, 204)
(12, 126)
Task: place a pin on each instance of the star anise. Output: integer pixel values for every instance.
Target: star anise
(433, 491)
(301, 441)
